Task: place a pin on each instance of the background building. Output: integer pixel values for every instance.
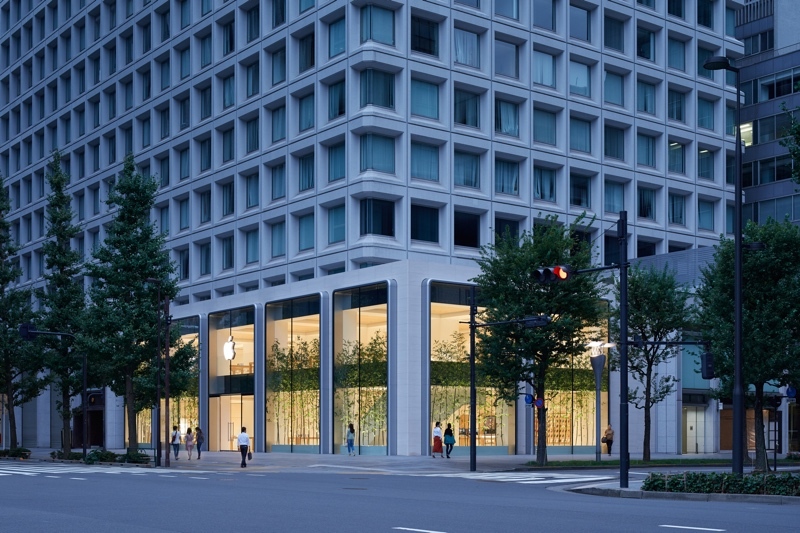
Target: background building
(329, 171)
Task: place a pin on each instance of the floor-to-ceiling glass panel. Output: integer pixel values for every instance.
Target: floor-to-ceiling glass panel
(293, 359)
(360, 367)
(231, 373)
(449, 377)
(694, 432)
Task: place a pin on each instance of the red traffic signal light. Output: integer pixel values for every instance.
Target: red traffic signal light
(551, 274)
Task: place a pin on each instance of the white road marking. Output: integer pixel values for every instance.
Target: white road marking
(692, 528)
(195, 477)
(417, 530)
(79, 478)
(524, 478)
(54, 477)
(165, 475)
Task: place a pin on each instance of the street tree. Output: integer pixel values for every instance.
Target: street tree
(770, 315)
(510, 355)
(62, 299)
(658, 311)
(791, 139)
(122, 328)
(21, 362)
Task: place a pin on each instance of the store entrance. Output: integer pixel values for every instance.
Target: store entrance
(694, 435)
(226, 416)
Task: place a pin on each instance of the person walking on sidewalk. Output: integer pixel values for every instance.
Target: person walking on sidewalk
(244, 445)
(437, 440)
(608, 438)
(175, 440)
(199, 439)
(351, 440)
(449, 439)
(189, 442)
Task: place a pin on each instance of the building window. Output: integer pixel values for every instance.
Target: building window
(278, 66)
(337, 37)
(205, 259)
(278, 12)
(305, 5)
(336, 100)
(579, 79)
(278, 239)
(424, 36)
(183, 211)
(466, 49)
(251, 246)
(579, 23)
(580, 135)
(336, 162)
(252, 78)
(614, 37)
(506, 118)
(205, 207)
(705, 215)
(253, 24)
(251, 188)
(466, 108)
(467, 169)
(676, 54)
(377, 24)
(646, 150)
(646, 97)
(228, 92)
(424, 223)
(676, 158)
(544, 184)
(466, 229)
(306, 172)
(702, 55)
(645, 44)
(705, 164)
(278, 123)
(228, 145)
(614, 197)
(424, 161)
(544, 69)
(705, 114)
(377, 217)
(336, 224)
(226, 245)
(544, 14)
(677, 209)
(205, 154)
(184, 112)
(675, 8)
(544, 127)
(614, 89)
(424, 99)
(377, 153)
(228, 199)
(306, 232)
(251, 128)
(306, 112)
(579, 194)
(185, 60)
(183, 264)
(506, 177)
(705, 13)
(506, 59)
(647, 203)
(377, 88)
(306, 52)
(228, 39)
(614, 142)
(676, 105)
(278, 173)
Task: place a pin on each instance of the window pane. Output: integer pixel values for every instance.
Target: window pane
(615, 142)
(705, 114)
(251, 244)
(544, 14)
(646, 97)
(279, 124)
(377, 153)
(506, 62)
(676, 57)
(336, 224)
(614, 197)
(306, 52)
(424, 99)
(705, 164)
(306, 112)
(677, 209)
(614, 89)
(506, 118)
(675, 105)
(544, 126)
(278, 181)
(676, 158)
(466, 108)
(337, 38)
(377, 88)
(705, 215)
(279, 66)
(579, 23)
(306, 232)
(466, 229)
(424, 223)
(580, 135)
(465, 44)
(645, 44)
(424, 36)
(306, 171)
(278, 248)
(507, 8)
(336, 100)
(544, 184)
(579, 191)
(646, 150)
(579, 81)
(544, 69)
(614, 34)
(506, 177)
(377, 24)
(336, 162)
(647, 203)
(424, 161)
(466, 169)
(377, 217)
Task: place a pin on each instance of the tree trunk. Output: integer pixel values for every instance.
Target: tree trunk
(541, 439)
(646, 442)
(130, 409)
(66, 419)
(761, 463)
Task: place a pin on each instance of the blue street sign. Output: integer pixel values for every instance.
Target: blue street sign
(791, 392)
(529, 399)
(539, 403)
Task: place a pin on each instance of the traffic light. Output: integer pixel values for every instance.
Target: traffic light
(28, 331)
(707, 365)
(551, 274)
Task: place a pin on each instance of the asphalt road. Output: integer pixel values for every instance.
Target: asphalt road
(63, 498)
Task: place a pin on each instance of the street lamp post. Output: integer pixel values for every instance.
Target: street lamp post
(598, 359)
(165, 303)
(723, 63)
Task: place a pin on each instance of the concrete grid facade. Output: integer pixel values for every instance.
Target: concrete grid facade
(305, 147)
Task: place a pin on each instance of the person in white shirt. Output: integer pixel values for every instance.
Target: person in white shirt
(244, 445)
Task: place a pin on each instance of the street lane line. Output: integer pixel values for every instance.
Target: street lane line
(79, 478)
(692, 528)
(54, 477)
(195, 477)
(417, 530)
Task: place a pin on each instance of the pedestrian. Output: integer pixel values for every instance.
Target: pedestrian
(244, 445)
(437, 440)
(188, 440)
(608, 438)
(199, 438)
(175, 441)
(351, 440)
(449, 439)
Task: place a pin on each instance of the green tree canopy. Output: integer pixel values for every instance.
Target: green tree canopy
(770, 314)
(510, 355)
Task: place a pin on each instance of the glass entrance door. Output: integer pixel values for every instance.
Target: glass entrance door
(227, 414)
(694, 435)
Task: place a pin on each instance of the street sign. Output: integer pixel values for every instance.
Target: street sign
(529, 399)
(539, 403)
(791, 392)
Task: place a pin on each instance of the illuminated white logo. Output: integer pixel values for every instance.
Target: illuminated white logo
(228, 349)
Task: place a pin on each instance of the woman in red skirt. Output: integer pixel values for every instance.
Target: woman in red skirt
(437, 440)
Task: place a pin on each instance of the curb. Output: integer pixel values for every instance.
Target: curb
(688, 496)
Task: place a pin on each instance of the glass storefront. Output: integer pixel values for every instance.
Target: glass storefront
(449, 377)
(293, 375)
(360, 367)
(794, 428)
(231, 377)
